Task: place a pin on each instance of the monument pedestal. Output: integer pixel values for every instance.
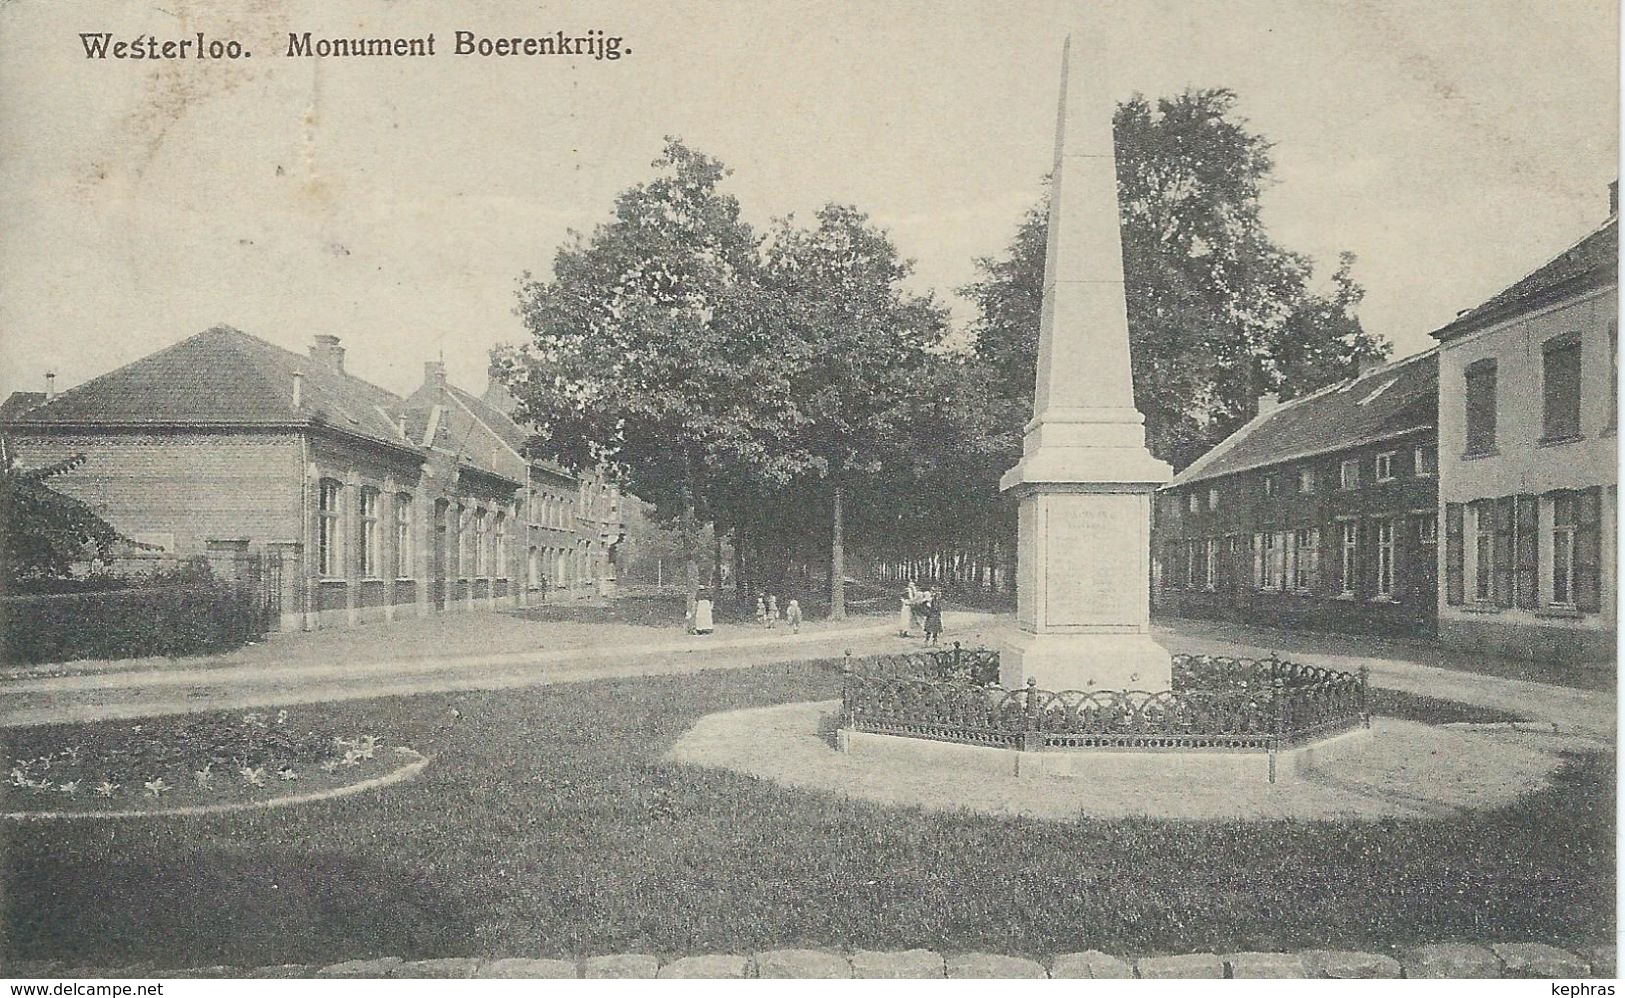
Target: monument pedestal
(1082, 591)
(1088, 662)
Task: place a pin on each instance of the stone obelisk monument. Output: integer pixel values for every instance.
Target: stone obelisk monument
(1085, 477)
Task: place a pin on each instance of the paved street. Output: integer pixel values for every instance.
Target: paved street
(568, 652)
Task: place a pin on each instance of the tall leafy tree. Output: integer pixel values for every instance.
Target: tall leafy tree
(857, 342)
(652, 354)
(1218, 312)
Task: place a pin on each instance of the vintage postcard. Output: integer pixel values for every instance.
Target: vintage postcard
(1119, 489)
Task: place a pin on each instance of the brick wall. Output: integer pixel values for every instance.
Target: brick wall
(182, 490)
(1245, 506)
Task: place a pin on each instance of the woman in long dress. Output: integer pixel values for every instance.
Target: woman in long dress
(933, 618)
(703, 623)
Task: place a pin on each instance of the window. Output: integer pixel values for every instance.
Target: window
(1385, 559)
(1350, 478)
(1194, 502)
(1613, 376)
(327, 528)
(403, 536)
(369, 533)
(1270, 562)
(1306, 574)
(1213, 497)
(481, 555)
(1269, 486)
(1385, 465)
(1348, 565)
(1483, 551)
(1560, 388)
(1427, 528)
(1563, 523)
(1481, 407)
(502, 545)
(1306, 480)
(1427, 461)
(1210, 567)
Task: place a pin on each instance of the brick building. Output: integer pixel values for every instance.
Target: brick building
(1529, 471)
(368, 504)
(1320, 513)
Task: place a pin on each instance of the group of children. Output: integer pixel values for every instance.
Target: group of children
(767, 613)
(925, 607)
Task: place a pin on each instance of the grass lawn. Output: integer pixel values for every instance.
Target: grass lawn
(547, 826)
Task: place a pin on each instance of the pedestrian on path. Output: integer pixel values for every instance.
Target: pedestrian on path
(933, 618)
(703, 617)
(761, 611)
(792, 613)
(772, 611)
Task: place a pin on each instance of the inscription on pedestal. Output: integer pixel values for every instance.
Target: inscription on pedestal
(1094, 562)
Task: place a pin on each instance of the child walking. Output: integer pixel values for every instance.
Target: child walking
(792, 613)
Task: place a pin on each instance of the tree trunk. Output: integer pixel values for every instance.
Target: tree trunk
(716, 559)
(689, 527)
(837, 559)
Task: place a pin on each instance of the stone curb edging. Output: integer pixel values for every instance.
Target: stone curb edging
(398, 775)
(1443, 960)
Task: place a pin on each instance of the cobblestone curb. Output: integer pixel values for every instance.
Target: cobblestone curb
(1461, 960)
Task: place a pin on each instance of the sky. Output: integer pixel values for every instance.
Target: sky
(1453, 145)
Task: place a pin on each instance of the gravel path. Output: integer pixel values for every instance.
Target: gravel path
(393, 659)
(1406, 770)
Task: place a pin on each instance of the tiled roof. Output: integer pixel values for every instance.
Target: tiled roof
(1382, 403)
(19, 403)
(224, 377)
(1591, 263)
(501, 423)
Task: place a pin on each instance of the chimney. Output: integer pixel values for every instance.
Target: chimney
(50, 385)
(298, 388)
(434, 373)
(1268, 403)
(400, 423)
(1613, 199)
(327, 350)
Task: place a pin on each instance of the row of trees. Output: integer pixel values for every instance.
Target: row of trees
(788, 388)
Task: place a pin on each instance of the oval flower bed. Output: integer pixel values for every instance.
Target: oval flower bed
(188, 763)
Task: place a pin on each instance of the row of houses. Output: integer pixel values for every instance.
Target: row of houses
(1468, 492)
(355, 503)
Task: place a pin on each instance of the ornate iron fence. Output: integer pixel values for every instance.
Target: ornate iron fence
(1216, 704)
(973, 665)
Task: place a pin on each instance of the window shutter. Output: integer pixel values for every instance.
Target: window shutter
(1405, 554)
(1503, 551)
(1527, 541)
(1588, 551)
(1323, 566)
(1370, 541)
(1454, 556)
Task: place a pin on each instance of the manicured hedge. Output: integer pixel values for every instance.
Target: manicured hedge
(190, 619)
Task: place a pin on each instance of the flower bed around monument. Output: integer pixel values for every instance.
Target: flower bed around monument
(1215, 704)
